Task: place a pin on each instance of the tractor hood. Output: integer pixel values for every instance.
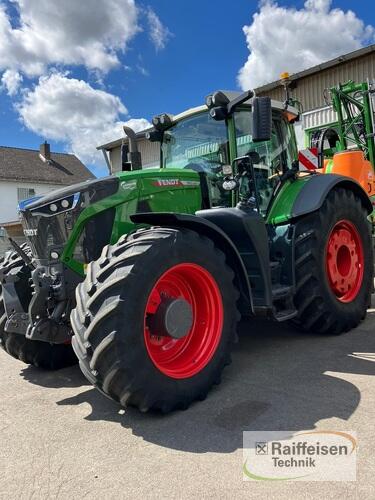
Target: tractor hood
(48, 220)
(98, 188)
(73, 224)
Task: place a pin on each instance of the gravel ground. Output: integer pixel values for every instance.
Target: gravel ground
(60, 438)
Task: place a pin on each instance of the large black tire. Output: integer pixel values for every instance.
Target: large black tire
(321, 307)
(109, 320)
(32, 352)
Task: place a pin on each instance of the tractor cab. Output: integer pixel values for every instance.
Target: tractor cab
(213, 145)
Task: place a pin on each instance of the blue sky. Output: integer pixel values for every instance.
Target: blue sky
(169, 55)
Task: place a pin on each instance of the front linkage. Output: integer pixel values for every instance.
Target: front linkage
(16, 295)
(44, 314)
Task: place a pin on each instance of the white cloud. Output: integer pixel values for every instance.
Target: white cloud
(286, 39)
(11, 81)
(70, 110)
(159, 33)
(41, 35)
(88, 32)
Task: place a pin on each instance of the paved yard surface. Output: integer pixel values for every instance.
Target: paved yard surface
(60, 438)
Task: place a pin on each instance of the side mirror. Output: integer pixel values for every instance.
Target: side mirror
(242, 165)
(254, 157)
(262, 119)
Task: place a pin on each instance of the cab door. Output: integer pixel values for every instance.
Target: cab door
(273, 157)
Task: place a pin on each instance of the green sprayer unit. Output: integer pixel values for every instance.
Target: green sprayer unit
(146, 273)
(348, 146)
(353, 104)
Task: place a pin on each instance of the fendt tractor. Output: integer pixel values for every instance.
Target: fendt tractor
(146, 273)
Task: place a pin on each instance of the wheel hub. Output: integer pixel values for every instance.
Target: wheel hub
(183, 320)
(345, 262)
(173, 318)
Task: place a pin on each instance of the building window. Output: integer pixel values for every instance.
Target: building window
(25, 193)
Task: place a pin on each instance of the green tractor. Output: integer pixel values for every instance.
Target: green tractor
(146, 273)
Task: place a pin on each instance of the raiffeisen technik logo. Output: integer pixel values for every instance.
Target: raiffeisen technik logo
(309, 456)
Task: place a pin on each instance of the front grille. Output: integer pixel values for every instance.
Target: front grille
(48, 221)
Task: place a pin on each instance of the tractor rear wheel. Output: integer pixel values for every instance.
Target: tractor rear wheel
(32, 352)
(334, 270)
(156, 318)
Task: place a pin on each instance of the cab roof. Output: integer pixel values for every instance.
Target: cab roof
(291, 112)
(231, 94)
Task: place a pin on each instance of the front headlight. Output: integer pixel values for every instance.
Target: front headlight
(58, 206)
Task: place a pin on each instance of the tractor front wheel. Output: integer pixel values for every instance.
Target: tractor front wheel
(156, 318)
(334, 270)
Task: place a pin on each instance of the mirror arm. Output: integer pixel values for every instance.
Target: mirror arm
(245, 96)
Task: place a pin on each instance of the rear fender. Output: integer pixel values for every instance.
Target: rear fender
(313, 193)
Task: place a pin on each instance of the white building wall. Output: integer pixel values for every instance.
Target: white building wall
(319, 117)
(150, 152)
(300, 134)
(115, 159)
(9, 197)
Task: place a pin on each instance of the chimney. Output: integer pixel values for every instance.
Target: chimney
(45, 151)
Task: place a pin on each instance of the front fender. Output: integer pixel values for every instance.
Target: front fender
(212, 231)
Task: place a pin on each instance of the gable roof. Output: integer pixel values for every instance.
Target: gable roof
(25, 165)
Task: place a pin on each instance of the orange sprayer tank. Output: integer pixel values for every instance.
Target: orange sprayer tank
(353, 164)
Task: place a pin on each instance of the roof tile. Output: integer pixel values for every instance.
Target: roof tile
(18, 164)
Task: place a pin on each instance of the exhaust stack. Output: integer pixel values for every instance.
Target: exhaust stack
(133, 159)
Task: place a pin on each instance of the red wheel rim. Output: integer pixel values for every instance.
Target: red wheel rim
(187, 356)
(345, 261)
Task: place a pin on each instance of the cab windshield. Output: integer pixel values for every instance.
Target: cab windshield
(199, 143)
